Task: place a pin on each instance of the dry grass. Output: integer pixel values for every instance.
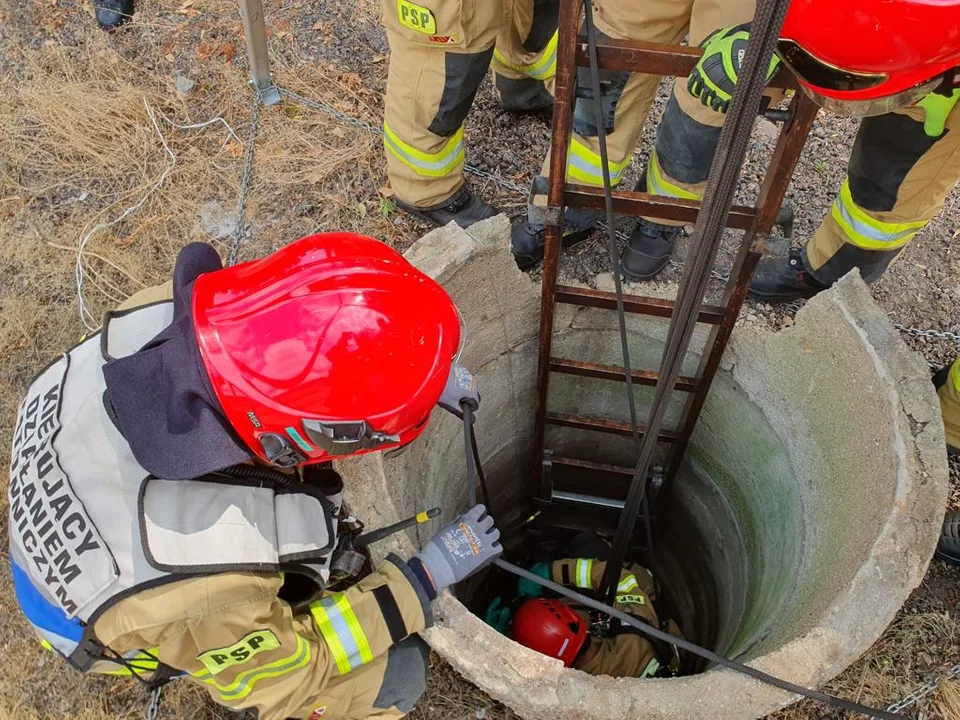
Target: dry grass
(914, 646)
(947, 701)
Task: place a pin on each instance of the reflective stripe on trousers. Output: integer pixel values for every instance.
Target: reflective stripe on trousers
(657, 183)
(543, 69)
(243, 683)
(583, 165)
(867, 232)
(342, 632)
(439, 164)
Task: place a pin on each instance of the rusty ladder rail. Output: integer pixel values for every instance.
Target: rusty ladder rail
(755, 221)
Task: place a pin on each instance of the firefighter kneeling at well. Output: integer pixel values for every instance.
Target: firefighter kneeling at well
(589, 642)
(173, 508)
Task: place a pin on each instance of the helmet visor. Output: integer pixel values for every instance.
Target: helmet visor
(875, 106)
(817, 72)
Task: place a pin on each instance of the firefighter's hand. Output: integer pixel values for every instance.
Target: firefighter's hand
(716, 73)
(529, 588)
(460, 549)
(937, 108)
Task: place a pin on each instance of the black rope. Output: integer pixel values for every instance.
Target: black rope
(475, 477)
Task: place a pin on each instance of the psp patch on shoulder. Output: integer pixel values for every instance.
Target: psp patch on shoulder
(416, 17)
(245, 649)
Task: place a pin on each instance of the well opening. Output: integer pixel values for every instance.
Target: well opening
(808, 508)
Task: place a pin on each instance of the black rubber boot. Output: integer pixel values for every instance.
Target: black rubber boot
(525, 97)
(648, 250)
(949, 547)
(526, 239)
(111, 14)
(464, 208)
(781, 279)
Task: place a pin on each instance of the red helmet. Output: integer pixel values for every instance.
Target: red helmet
(868, 57)
(550, 627)
(334, 345)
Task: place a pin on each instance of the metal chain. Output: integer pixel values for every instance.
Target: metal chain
(153, 704)
(929, 333)
(245, 182)
(924, 691)
(343, 117)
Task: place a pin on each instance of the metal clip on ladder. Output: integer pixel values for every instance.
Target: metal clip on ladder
(578, 510)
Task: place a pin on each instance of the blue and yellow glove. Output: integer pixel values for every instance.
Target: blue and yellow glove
(528, 588)
(937, 108)
(716, 73)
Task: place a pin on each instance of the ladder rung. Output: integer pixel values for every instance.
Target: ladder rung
(615, 372)
(655, 59)
(583, 517)
(593, 500)
(602, 425)
(712, 314)
(629, 202)
(590, 465)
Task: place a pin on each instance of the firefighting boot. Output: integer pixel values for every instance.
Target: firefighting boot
(527, 238)
(111, 14)
(948, 549)
(464, 208)
(781, 279)
(527, 96)
(648, 250)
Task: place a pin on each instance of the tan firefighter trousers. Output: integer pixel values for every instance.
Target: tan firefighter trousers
(440, 51)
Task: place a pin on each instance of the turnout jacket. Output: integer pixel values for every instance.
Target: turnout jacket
(124, 572)
(624, 653)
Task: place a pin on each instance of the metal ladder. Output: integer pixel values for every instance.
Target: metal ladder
(599, 509)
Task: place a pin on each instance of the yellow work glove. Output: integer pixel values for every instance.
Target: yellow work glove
(937, 108)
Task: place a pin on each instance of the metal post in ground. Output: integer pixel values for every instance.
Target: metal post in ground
(256, 34)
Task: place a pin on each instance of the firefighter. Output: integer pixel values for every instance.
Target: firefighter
(173, 508)
(686, 140)
(564, 630)
(111, 14)
(439, 54)
(905, 159)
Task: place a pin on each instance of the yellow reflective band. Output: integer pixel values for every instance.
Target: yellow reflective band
(651, 669)
(45, 644)
(422, 517)
(243, 684)
(955, 375)
(342, 632)
(438, 164)
(242, 651)
(416, 17)
(544, 68)
(583, 165)
(867, 232)
(584, 572)
(627, 584)
(657, 184)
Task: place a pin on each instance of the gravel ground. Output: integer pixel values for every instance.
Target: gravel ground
(347, 49)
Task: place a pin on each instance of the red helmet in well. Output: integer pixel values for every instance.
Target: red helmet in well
(550, 627)
(867, 57)
(334, 345)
